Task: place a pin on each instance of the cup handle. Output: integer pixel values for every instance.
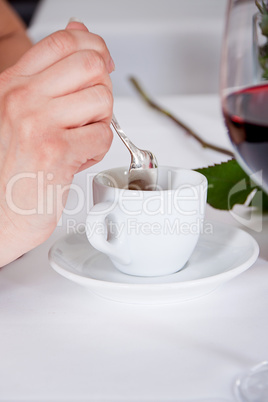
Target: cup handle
(96, 219)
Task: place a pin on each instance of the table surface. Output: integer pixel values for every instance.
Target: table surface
(59, 342)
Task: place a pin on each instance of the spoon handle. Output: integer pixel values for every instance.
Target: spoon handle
(131, 147)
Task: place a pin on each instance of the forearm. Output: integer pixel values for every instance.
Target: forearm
(14, 41)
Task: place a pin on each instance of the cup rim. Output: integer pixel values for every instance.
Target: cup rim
(203, 179)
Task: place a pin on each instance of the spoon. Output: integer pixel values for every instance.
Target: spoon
(142, 174)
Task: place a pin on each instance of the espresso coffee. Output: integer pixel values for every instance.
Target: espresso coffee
(138, 185)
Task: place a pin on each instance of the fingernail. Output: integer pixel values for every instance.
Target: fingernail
(111, 65)
(74, 19)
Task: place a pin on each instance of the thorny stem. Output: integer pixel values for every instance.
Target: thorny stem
(262, 8)
(187, 129)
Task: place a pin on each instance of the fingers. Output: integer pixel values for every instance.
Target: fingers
(73, 73)
(67, 78)
(88, 144)
(90, 163)
(60, 45)
(82, 107)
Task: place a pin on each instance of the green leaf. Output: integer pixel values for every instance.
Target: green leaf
(264, 24)
(264, 202)
(228, 185)
(265, 74)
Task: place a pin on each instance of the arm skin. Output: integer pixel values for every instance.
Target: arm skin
(14, 41)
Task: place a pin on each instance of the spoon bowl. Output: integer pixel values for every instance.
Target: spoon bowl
(143, 166)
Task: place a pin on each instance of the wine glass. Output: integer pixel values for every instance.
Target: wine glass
(244, 85)
(244, 99)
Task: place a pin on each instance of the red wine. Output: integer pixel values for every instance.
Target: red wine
(246, 117)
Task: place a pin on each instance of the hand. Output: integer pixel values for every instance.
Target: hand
(55, 112)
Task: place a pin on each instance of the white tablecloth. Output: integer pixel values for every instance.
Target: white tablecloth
(59, 342)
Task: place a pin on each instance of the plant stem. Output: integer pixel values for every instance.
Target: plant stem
(187, 129)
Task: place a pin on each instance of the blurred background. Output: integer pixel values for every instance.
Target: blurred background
(25, 8)
(171, 46)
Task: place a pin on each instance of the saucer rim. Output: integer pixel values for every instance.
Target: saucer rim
(106, 283)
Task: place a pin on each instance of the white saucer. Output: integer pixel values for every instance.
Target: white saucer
(218, 257)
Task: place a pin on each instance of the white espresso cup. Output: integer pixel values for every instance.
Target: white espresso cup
(147, 233)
